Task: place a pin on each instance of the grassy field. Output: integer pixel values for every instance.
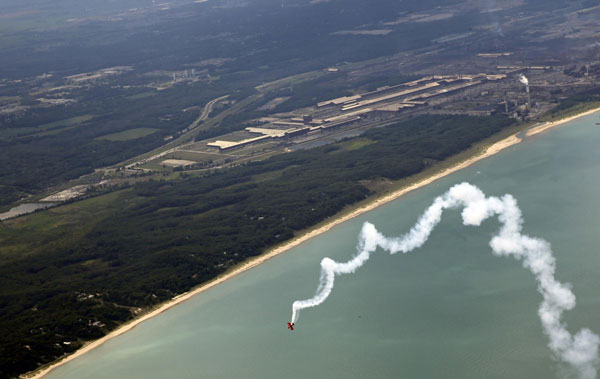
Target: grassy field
(196, 156)
(16, 132)
(9, 99)
(66, 222)
(67, 122)
(155, 165)
(130, 134)
(56, 131)
(46, 129)
(29, 21)
(199, 157)
(142, 95)
(355, 144)
(254, 149)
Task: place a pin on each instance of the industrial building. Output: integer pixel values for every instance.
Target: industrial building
(396, 98)
(294, 128)
(383, 102)
(262, 135)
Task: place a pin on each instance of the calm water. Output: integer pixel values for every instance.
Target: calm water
(449, 310)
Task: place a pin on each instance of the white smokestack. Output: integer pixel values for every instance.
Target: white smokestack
(579, 350)
(523, 79)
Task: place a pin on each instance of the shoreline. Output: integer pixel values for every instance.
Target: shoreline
(320, 228)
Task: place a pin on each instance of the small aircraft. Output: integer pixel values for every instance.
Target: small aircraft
(290, 325)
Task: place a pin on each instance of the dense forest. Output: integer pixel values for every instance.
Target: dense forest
(281, 39)
(274, 36)
(73, 273)
(35, 155)
(51, 151)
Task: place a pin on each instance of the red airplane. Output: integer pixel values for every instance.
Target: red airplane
(290, 325)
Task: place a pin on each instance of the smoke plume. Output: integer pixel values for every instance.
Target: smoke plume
(490, 9)
(523, 79)
(579, 350)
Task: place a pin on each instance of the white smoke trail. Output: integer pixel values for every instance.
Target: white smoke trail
(579, 350)
(523, 79)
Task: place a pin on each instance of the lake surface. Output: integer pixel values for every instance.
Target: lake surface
(448, 310)
(24, 209)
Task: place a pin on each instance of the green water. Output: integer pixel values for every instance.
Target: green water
(448, 310)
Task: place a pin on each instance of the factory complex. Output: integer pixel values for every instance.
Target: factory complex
(506, 90)
(279, 129)
(384, 102)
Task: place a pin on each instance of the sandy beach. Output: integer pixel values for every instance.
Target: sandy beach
(489, 151)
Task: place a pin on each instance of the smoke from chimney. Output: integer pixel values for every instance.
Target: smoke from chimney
(523, 79)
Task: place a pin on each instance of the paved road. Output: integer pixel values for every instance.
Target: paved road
(203, 116)
(209, 106)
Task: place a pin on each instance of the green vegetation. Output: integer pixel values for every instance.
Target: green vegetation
(44, 129)
(68, 122)
(196, 156)
(356, 143)
(47, 146)
(142, 95)
(573, 105)
(73, 273)
(221, 43)
(128, 134)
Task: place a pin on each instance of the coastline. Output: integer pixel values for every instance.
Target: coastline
(321, 228)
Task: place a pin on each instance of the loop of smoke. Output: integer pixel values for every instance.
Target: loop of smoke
(579, 350)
